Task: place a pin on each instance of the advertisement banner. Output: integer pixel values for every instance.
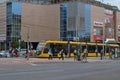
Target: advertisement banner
(96, 37)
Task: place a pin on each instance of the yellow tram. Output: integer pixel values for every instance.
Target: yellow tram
(56, 46)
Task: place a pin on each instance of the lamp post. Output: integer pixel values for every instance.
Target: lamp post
(68, 55)
(86, 45)
(103, 47)
(19, 44)
(76, 28)
(96, 49)
(28, 39)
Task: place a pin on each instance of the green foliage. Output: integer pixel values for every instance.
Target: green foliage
(15, 44)
(23, 44)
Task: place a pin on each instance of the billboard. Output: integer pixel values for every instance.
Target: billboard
(2, 37)
(109, 24)
(98, 30)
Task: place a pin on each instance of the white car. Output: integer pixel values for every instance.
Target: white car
(4, 53)
(22, 52)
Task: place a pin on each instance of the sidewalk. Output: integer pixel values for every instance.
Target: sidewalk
(21, 60)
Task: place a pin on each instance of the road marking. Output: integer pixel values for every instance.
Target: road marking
(33, 64)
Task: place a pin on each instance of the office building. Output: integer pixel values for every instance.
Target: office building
(33, 22)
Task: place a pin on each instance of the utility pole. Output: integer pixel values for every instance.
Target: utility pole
(96, 49)
(28, 39)
(19, 45)
(76, 28)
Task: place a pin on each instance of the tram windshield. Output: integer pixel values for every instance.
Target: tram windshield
(39, 47)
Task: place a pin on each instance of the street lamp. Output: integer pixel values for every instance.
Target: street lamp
(86, 44)
(28, 39)
(96, 49)
(19, 44)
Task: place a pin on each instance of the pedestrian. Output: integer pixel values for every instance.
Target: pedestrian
(61, 54)
(84, 55)
(50, 54)
(113, 53)
(10, 52)
(27, 54)
(101, 52)
(75, 54)
(16, 52)
(96, 51)
(78, 55)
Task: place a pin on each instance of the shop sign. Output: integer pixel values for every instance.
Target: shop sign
(96, 37)
(98, 24)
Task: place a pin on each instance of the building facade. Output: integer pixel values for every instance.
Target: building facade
(78, 21)
(13, 21)
(3, 29)
(118, 26)
(40, 22)
(10, 17)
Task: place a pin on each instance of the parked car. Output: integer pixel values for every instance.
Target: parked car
(22, 52)
(4, 53)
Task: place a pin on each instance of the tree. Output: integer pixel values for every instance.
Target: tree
(15, 44)
(23, 44)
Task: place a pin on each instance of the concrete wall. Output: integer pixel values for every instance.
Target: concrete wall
(2, 22)
(42, 21)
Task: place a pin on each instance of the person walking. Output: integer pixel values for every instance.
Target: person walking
(102, 52)
(96, 51)
(113, 53)
(27, 54)
(75, 54)
(10, 52)
(61, 54)
(50, 54)
(78, 55)
(84, 55)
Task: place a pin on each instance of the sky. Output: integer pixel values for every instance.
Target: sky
(111, 2)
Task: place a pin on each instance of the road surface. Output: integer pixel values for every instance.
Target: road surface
(61, 71)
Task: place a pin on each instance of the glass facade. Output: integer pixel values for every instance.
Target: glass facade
(13, 21)
(9, 21)
(75, 21)
(87, 21)
(63, 22)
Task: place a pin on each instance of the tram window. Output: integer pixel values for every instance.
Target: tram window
(91, 48)
(46, 49)
(99, 48)
(107, 49)
(72, 47)
(57, 47)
